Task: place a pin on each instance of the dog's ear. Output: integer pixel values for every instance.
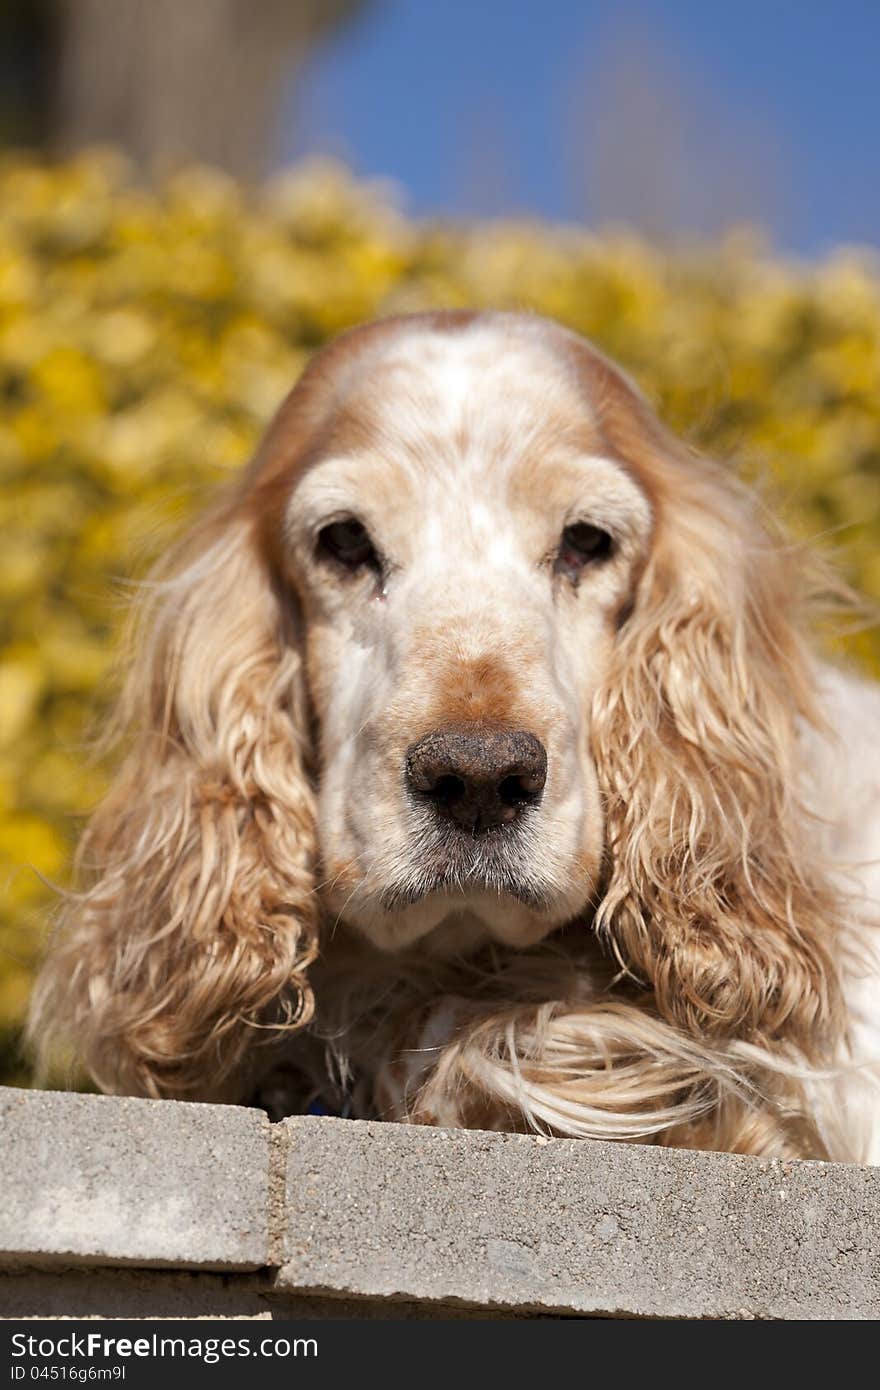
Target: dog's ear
(715, 897)
(189, 938)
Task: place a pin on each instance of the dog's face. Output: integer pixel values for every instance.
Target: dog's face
(465, 550)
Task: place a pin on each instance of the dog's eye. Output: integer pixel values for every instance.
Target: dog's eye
(348, 542)
(583, 544)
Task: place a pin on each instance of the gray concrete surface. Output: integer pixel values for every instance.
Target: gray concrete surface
(518, 1223)
(116, 1180)
(320, 1217)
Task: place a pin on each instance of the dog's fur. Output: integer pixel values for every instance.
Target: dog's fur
(675, 944)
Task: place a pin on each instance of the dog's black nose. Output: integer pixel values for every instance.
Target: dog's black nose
(478, 780)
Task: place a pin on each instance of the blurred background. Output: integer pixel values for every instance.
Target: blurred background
(195, 194)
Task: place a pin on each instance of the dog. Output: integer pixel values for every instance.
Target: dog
(478, 771)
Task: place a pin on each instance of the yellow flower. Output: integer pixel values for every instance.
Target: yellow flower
(20, 685)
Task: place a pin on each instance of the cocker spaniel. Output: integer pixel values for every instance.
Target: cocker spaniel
(477, 772)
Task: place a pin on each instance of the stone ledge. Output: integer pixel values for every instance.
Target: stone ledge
(392, 1219)
(572, 1226)
(113, 1180)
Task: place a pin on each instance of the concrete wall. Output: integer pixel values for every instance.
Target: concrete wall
(135, 1208)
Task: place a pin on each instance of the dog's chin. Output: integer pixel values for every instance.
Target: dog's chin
(446, 919)
(450, 893)
(448, 924)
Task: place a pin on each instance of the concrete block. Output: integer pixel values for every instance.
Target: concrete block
(121, 1181)
(519, 1223)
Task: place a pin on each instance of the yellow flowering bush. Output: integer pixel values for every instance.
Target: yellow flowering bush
(146, 337)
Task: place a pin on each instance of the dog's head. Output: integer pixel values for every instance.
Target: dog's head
(474, 650)
(463, 542)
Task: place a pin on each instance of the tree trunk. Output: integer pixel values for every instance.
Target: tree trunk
(169, 80)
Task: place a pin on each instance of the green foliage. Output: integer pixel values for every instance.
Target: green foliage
(146, 337)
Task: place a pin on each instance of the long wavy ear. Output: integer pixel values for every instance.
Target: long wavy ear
(715, 896)
(190, 938)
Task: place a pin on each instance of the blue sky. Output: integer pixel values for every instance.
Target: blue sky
(682, 116)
